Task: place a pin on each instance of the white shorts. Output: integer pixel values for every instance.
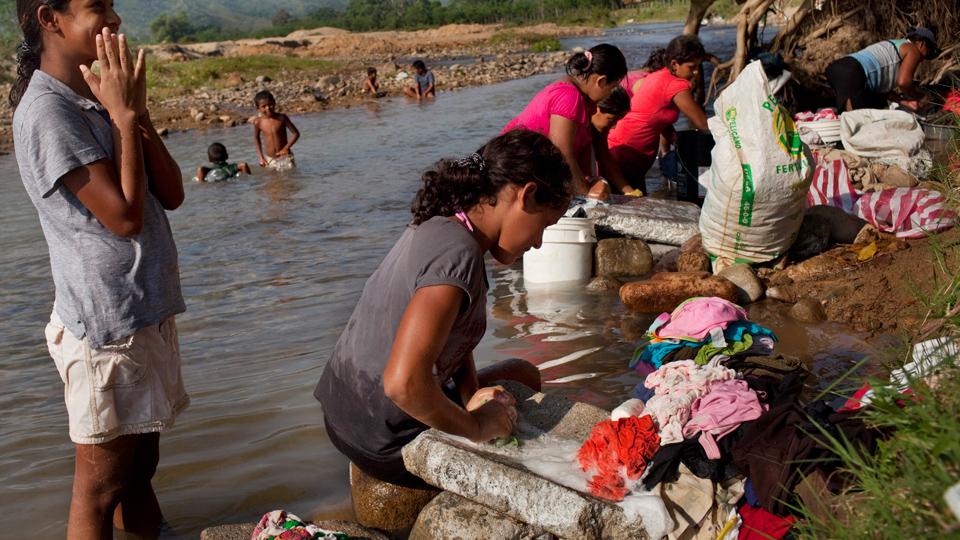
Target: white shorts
(129, 386)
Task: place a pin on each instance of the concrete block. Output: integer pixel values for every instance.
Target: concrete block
(653, 220)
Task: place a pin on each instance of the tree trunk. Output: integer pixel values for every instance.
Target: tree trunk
(698, 8)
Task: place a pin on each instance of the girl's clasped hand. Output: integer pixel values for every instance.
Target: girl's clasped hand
(121, 86)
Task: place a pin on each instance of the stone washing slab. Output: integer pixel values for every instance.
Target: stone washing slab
(504, 479)
(653, 220)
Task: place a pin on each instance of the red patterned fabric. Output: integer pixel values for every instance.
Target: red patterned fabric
(618, 450)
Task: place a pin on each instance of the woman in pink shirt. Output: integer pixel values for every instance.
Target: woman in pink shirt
(562, 110)
(654, 108)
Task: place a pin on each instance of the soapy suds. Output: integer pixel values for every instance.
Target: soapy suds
(568, 358)
(571, 378)
(555, 459)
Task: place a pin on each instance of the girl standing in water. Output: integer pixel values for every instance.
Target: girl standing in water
(563, 110)
(655, 107)
(404, 362)
(100, 178)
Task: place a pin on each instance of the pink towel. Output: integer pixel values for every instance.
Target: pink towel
(695, 318)
(720, 412)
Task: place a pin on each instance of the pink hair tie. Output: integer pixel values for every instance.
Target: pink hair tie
(589, 56)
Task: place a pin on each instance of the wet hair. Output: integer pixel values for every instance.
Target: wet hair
(657, 60)
(28, 53)
(217, 152)
(684, 49)
(514, 158)
(617, 103)
(418, 64)
(606, 60)
(261, 96)
(371, 71)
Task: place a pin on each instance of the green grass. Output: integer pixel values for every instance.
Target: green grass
(900, 487)
(177, 78)
(535, 42)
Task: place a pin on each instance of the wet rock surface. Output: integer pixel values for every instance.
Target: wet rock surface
(603, 284)
(749, 286)
(808, 310)
(664, 292)
(245, 530)
(384, 506)
(693, 261)
(619, 257)
(451, 516)
(652, 220)
(501, 483)
(667, 263)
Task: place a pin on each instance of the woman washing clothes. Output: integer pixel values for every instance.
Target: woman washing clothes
(655, 107)
(562, 111)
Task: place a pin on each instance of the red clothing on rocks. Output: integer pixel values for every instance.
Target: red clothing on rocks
(617, 448)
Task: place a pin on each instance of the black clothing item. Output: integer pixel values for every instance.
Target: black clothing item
(849, 81)
(665, 465)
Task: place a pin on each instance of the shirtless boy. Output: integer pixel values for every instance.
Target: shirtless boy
(370, 83)
(274, 127)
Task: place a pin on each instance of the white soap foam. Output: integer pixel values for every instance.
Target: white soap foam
(571, 378)
(568, 358)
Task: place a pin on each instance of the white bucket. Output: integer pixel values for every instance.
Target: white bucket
(566, 253)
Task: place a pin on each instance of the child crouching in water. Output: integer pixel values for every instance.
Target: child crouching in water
(405, 361)
(221, 170)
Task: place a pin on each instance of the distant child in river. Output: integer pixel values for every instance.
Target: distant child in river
(422, 82)
(609, 111)
(221, 170)
(370, 83)
(274, 127)
(405, 362)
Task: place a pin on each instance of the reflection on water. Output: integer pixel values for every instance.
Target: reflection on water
(272, 266)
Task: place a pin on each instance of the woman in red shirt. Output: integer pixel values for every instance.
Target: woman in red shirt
(654, 108)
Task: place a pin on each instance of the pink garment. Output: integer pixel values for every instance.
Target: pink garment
(677, 386)
(694, 319)
(631, 79)
(562, 99)
(635, 139)
(721, 411)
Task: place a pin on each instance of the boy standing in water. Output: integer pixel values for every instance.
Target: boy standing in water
(274, 127)
(422, 82)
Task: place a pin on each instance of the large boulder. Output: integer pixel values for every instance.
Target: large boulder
(745, 278)
(813, 238)
(664, 292)
(653, 220)
(523, 482)
(618, 257)
(844, 227)
(452, 516)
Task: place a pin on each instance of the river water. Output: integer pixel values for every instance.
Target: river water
(272, 265)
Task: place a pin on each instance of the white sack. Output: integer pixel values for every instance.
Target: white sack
(759, 178)
(881, 134)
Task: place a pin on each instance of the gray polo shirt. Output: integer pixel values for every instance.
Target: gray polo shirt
(107, 287)
(438, 252)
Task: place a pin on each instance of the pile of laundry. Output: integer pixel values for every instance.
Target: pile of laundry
(709, 331)
(734, 439)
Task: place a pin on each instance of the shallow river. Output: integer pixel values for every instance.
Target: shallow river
(272, 266)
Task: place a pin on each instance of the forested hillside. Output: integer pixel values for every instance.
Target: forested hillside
(244, 15)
